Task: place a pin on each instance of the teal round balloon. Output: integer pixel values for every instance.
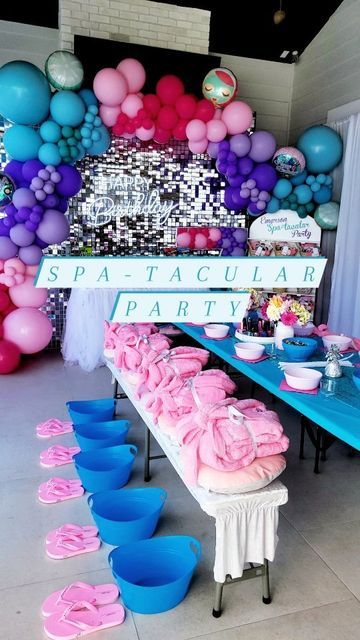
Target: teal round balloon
(49, 153)
(323, 195)
(22, 143)
(327, 215)
(99, 146)
(303, 193)
(322, 148)
(273, 205)
(282, 189)
(299, 179)
(24, 93)
(50, 131)
(89, 97)
(67, 108)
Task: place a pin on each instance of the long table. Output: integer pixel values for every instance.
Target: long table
(339, 419)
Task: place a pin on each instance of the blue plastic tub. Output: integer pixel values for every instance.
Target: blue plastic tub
(127, 515)
(91, 410)
(154, 575)
(103, 469)
(97, 435)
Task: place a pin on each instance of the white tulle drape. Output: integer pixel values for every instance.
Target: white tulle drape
(344, 312)
(84, 330)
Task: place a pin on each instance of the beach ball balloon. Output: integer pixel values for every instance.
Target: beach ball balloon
(7, 189)
(64, 70)
(289, 161)
(219, 87)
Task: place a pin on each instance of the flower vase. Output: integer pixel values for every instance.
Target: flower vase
(282, 331)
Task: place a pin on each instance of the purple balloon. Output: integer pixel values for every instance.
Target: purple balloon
(224, 145)
(240, 201)
(236, 181)
(222, 156)
(49, 188)
(13, 169)
(9, 221)
(23, 198)
(245, 166)
(261, 204)
(221, 166)
(63, 205)
(254, 192)
(30, 255)
(264, 195)
(51, 202)
(240, 144)
(31, 168)
(232, 171)
(213, 150)
(226, 243)
(38, 209)
(56, 177)
(237, 251)
(20, 235)
(4, 230)
(40, 195)
(225, 252)
(36, 183)
(8, 249)
(251, 183)
(244, 192)
(240, 235)
(54, 227)
(31, 226)
(71, 181)
(265, 176)
(231, 158)
(41, 244)
(35, 217)
(253, 210)
(228, 197)
(263, 146)
(10, 210)
(44, 175)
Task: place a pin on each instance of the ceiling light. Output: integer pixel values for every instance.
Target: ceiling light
(284, 54)
(279, 15)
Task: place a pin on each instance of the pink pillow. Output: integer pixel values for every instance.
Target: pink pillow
(257, 475)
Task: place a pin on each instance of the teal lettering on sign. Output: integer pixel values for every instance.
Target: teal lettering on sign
(227, 274)
(176, 274)
(255, 279)
(282, 275)
(131, 307)
(151, 269)
(309, 271)
(79, 271)
(183, 308)
(155, 309)
(209, 304)
(54, 272)
(104, 275)
(198, 274)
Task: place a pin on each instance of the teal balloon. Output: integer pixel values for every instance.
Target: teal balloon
(24, 93)
(300, 178)
(282, 189)
(22, 143)
(310, 207)
(50, 131)
(49, 153)
(293, 206)
(322, 148)
(285, 204)
(292, 198)
(302, 211)
(310, 180)
(88, 97)
(273, 205)
(100, 146)
(303, 193)
(323, 195)
(315, 186)
(67, 108)
(321, 178)
(67, 132)
(327, 215)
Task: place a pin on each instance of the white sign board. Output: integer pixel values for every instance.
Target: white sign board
(174, 306)
(285, 225)
(161, 272)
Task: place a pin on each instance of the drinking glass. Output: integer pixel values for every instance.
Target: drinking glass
(270, 351)
(328, 387)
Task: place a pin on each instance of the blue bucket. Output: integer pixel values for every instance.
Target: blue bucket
(91, 410)
(103, 469)
(154, 575)
(97, 435)
(127, 515)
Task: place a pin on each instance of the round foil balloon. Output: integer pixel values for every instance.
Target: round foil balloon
(219, 87)
(64, 70)
(289, 161)
(7, 189)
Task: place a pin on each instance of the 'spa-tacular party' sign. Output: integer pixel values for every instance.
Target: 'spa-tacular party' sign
(215, 306)
(287, 226)
(150, 272)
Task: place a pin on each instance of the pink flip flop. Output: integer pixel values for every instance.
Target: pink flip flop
(59, 489)
(58, 601)
(57, 455)
(81, 619)
(67, 545)
(53, 427)
(81, 532)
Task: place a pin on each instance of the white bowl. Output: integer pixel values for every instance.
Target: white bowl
(216, 330)
(343, 342)
(254, 339)
(302, 378)
(304, 330)
(249, 351)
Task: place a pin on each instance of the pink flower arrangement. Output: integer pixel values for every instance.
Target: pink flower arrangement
(289, 318)
(286, 310)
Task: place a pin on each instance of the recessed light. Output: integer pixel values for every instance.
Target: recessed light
(284, 54)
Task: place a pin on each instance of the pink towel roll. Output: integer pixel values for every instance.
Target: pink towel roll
(183, 361)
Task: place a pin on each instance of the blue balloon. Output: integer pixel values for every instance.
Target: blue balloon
(67, 108)
(303, 193)
(322, 148)
(24, 93)
(89, 97)
(323, 195)
(100, 146)
(273, 205)
(22, 143)
(300, 178)
(321, 178)
(310, 180)
(49, 153)
(282, 189)
(50, 132)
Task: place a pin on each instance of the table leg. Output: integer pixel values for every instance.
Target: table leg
(266, 595)
(218, 599)
(302, 438)
(147, 476)
(317, 450)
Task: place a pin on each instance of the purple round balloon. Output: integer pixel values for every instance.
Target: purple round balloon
(20, 235)
(40, 195)
(236, 181)
(44, 174)
(49, 188)
(245, 192)
(224, 145)
(31, 168)
(240, 201)
(4, 230)
(24, 213)
(254, 192)
(261, 204)
(9, 221)
(265, 176)
(231, 158)
(38, 209)
(36, 183)
(245, 166)
(35, 217)
(56, 177)
(263, 146)
(71, 181)
(232, 171)
(212, 149)
(253, 210)
(237, 251)
(221, 166)
(31, 226)
(222, 156)
(264, 195)
(240, 235)
(13, 169)
(228, 198)
(8, 249)
(30, 255)
(10, 210)
(240, 144)
(23, 198)
(63, 205)
(41, 244)
(51, 202)
(54, 227)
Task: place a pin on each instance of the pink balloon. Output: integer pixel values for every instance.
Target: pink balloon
(237, 116)
(31, 270)
(200, 241)
(134, 73)
(214, 234)
(109, 114)
(183, 240)
(145, 134)
(110, 87)
(196, 130)
(28, 328)
(131, 105)
(218, 114)
(216, 130)
(199, 146)
(26, 295)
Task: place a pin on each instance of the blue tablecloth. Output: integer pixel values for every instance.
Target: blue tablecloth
(339, 414)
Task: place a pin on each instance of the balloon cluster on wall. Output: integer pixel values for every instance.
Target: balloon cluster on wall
(48, 132)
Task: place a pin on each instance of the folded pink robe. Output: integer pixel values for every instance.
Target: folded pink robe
(175, 397)
(185, 362)
(132, 348)
(113, 331)
(229, 436)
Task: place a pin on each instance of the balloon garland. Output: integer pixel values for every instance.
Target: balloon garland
(53, 123)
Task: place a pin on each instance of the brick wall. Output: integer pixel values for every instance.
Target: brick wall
(135, 21)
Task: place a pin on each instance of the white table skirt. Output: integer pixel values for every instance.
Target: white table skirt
(246, 524)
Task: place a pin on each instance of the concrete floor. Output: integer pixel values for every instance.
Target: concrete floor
(315, 577)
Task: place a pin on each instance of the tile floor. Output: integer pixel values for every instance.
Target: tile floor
(315, 577)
